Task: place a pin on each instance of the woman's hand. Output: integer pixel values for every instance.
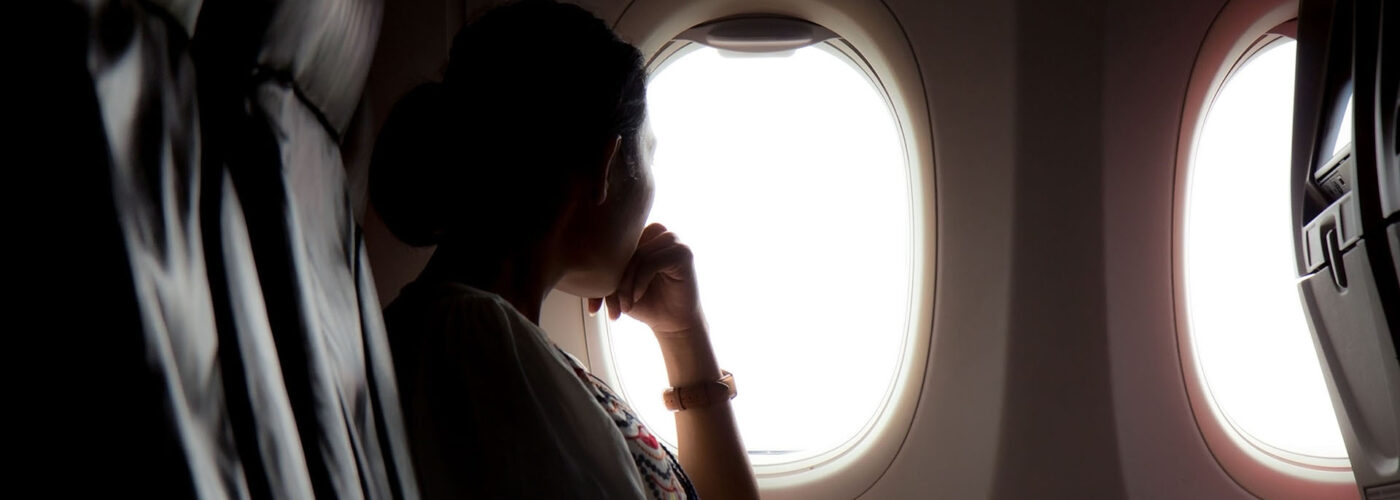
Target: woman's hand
(658, 287)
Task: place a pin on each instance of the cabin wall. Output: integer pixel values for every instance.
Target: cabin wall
(966, 53)
(1057, 402)
(1150, 48)
(1054, 370)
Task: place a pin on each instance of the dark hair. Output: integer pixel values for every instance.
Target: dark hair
(532, 93)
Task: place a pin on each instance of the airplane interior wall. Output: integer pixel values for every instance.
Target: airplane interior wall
(1054, 370)
(1149, 51)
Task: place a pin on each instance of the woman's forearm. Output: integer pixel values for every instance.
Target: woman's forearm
(711, 451)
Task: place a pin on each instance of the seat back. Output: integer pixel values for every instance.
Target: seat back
(142, 380)
(291, 76)
(229, 343)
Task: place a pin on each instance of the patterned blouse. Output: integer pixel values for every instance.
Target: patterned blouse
(664, 478)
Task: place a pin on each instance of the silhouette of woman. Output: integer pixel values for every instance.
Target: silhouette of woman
(528, 168)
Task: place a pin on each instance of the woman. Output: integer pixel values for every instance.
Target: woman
(528, 167)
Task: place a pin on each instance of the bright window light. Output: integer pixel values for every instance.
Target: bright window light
(786, 174)
(1247, 323)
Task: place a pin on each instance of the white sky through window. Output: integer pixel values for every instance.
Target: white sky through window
(786, 175)
(1246, 319)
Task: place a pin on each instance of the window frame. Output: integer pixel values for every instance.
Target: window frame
(842, 49)
(874, 41)
(1241, 30)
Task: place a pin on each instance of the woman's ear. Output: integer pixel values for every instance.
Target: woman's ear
(601, 174)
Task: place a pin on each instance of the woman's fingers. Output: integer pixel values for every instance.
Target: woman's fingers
(631, 279)
(624, 284)
(659, 253)
(594, 304)
(657, 242)
(645, 242)
(614, 310)
(668, 261)
(628, 283)
(650, 232)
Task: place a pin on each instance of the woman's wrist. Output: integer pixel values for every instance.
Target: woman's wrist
(689, 356)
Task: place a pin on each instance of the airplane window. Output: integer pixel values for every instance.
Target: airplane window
(1246, 319)
(786, 173)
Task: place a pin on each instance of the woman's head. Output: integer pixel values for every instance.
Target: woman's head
(536, 134)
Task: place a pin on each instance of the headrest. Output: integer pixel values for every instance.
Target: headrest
(326, 47)
(186, 12)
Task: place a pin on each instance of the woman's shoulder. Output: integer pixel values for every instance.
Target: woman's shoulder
(450, 316)
(483, 384)
(440, 292)
(446, 299)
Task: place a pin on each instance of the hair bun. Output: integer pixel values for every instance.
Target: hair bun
(531, 92)
(407, 181)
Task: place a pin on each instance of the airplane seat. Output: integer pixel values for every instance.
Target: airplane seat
(186, 377)
(1346, 210)
(279, 83)
(138, 368)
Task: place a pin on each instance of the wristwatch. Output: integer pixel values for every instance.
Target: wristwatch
(702, 394)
